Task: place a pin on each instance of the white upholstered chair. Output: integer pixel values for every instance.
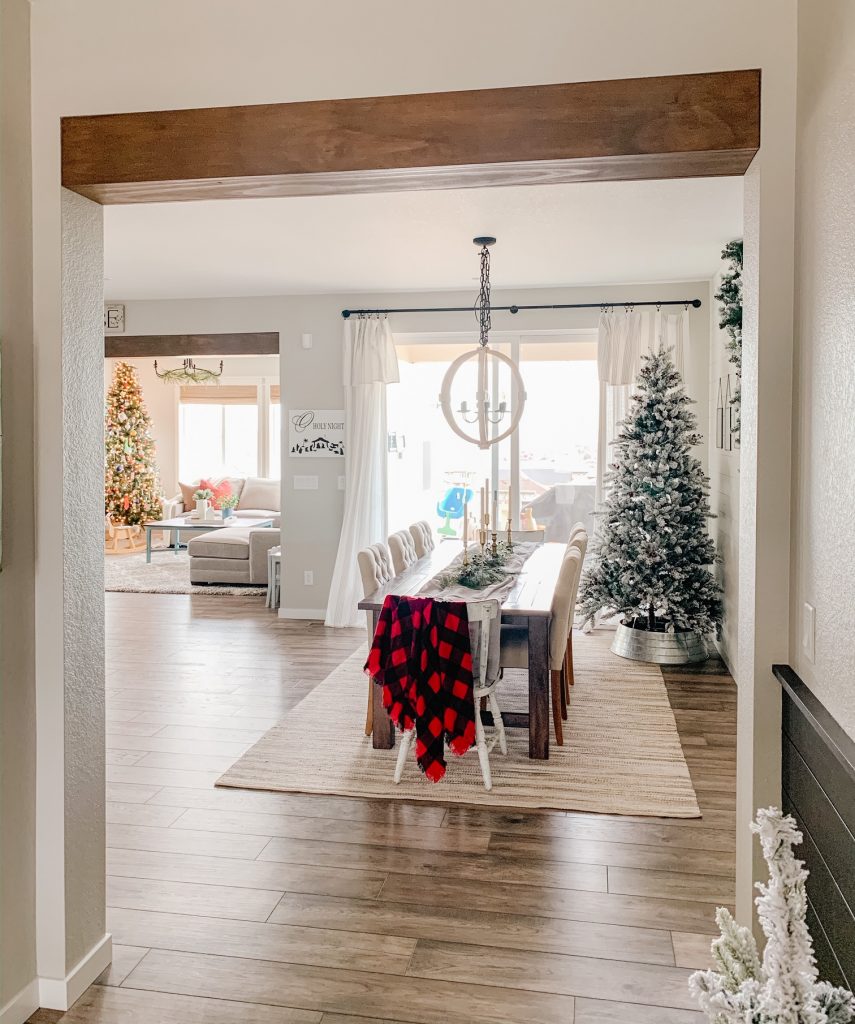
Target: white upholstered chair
(402, 550)
(578, 528)
(514, 648)
(579, 541)
(375, 568)
(482, 612)
(422, 536)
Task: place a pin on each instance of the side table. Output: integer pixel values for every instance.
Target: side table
(274, 576)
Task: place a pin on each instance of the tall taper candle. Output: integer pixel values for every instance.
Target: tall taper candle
(482, 506)
(495, 510)
(465, 527)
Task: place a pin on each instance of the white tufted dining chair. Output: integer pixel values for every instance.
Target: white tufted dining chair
(375, 568)
(579, 542)
(402, 550)
(483, 612)
(422, 536)
(514, 642)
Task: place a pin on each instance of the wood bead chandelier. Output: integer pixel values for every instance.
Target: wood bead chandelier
(481, 413)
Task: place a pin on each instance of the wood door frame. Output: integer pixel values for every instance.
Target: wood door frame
(670, 126)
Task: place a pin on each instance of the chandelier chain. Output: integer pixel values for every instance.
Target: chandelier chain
(483, 304)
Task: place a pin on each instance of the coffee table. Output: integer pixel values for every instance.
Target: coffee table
(176, 525)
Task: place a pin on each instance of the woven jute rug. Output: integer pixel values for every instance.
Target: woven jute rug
(621, 752)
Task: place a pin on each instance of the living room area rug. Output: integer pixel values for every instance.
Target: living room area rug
(621, 753)
(167, 573)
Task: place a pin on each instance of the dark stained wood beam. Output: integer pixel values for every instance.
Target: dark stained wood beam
(129, 346)
(666, 127)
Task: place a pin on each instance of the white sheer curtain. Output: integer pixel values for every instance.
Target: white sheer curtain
(622, 338)
(370, 363)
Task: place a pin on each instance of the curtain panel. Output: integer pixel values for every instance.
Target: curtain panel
(623, 337)
(370, 363)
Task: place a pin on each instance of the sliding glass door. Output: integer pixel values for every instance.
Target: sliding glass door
(547, 466)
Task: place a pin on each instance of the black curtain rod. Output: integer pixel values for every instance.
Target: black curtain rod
(516, 309)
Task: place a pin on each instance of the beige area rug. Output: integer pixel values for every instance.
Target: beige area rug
(167, 573)
(621, 752)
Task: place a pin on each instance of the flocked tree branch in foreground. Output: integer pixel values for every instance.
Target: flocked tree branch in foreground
(783, 987)
(652, 550)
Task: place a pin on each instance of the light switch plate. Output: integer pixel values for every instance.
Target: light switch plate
(308, 578)
(305, 483)
(809, 631)
(341, 483)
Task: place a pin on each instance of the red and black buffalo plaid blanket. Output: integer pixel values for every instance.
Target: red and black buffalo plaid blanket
(422, 659)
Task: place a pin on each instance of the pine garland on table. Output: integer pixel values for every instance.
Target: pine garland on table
(652, 550)
(482, 570)
(131, 487)
(729, 295)
(783, 988)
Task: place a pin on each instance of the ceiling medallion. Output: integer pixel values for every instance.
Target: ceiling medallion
(480, 411)
(189, 373)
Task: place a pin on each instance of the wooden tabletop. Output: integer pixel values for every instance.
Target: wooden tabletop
(531, 596)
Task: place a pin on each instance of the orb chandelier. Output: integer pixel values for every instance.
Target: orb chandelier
(494, 422)
(189, 373)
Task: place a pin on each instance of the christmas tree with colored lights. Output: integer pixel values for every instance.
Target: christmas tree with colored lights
(131, 486)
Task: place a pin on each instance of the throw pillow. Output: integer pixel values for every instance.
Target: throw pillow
(187, 492)
(221, 489)
(260, 494)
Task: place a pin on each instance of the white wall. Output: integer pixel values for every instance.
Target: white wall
(312, 377)
(17, 623)
(100, 56)
(161, 400)
(823, 517)
(724, 489)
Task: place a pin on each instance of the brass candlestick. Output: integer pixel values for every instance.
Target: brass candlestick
(482, 540)
(510, 539)
(495, 546)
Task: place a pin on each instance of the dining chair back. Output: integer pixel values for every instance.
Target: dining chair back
(482, 613)
(577, 528)
(402, 550)
(578, 542)
(514, 639)
(422, 536)
(375, 569)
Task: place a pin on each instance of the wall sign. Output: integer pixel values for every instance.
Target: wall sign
(316, 433)
(114, 318)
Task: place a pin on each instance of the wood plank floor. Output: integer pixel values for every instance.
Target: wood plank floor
(230, 906)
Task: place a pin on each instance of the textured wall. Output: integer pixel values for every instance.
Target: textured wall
(823, 552)
(82, 511)
(724, 490)
(312, 521)
(17, 678)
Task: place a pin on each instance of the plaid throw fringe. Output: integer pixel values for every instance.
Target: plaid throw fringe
(422, 658)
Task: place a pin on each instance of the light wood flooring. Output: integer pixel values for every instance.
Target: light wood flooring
(229, 906)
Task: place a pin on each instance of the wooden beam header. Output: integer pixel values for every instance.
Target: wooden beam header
(673, 126)
(153, 346)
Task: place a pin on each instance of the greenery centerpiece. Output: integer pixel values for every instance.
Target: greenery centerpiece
(652, 551)
(480, 569)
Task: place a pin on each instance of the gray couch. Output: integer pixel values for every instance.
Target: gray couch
(234, 555)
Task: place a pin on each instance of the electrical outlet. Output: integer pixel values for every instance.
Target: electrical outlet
(809, 631)
(308, 578)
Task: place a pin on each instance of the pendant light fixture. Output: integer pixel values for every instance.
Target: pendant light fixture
(189, 373)
(479, 412)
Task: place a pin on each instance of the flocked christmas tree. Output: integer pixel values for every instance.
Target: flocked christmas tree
(652, 551)
(783, 988)
(130, 477)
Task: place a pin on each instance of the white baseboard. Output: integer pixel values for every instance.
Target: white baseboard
(63, 993)
(303, 613)
(21, 1006)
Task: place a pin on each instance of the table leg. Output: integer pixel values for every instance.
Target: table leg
(148, 544)
(538, 687)
(383, 732)
(176, 540)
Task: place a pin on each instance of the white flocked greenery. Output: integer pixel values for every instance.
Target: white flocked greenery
(783, 987)
(652, 550)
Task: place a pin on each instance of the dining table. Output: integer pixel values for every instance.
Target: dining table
(529, 604)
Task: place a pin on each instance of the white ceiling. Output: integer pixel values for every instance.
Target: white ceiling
(548, 235)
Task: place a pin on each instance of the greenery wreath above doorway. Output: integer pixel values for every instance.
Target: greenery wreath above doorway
(729, 295)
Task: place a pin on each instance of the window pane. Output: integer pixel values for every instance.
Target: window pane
(199, 442)
(558, 442)
(240, 455)
(275, 441)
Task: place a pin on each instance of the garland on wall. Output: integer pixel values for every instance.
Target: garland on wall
(730, 319)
